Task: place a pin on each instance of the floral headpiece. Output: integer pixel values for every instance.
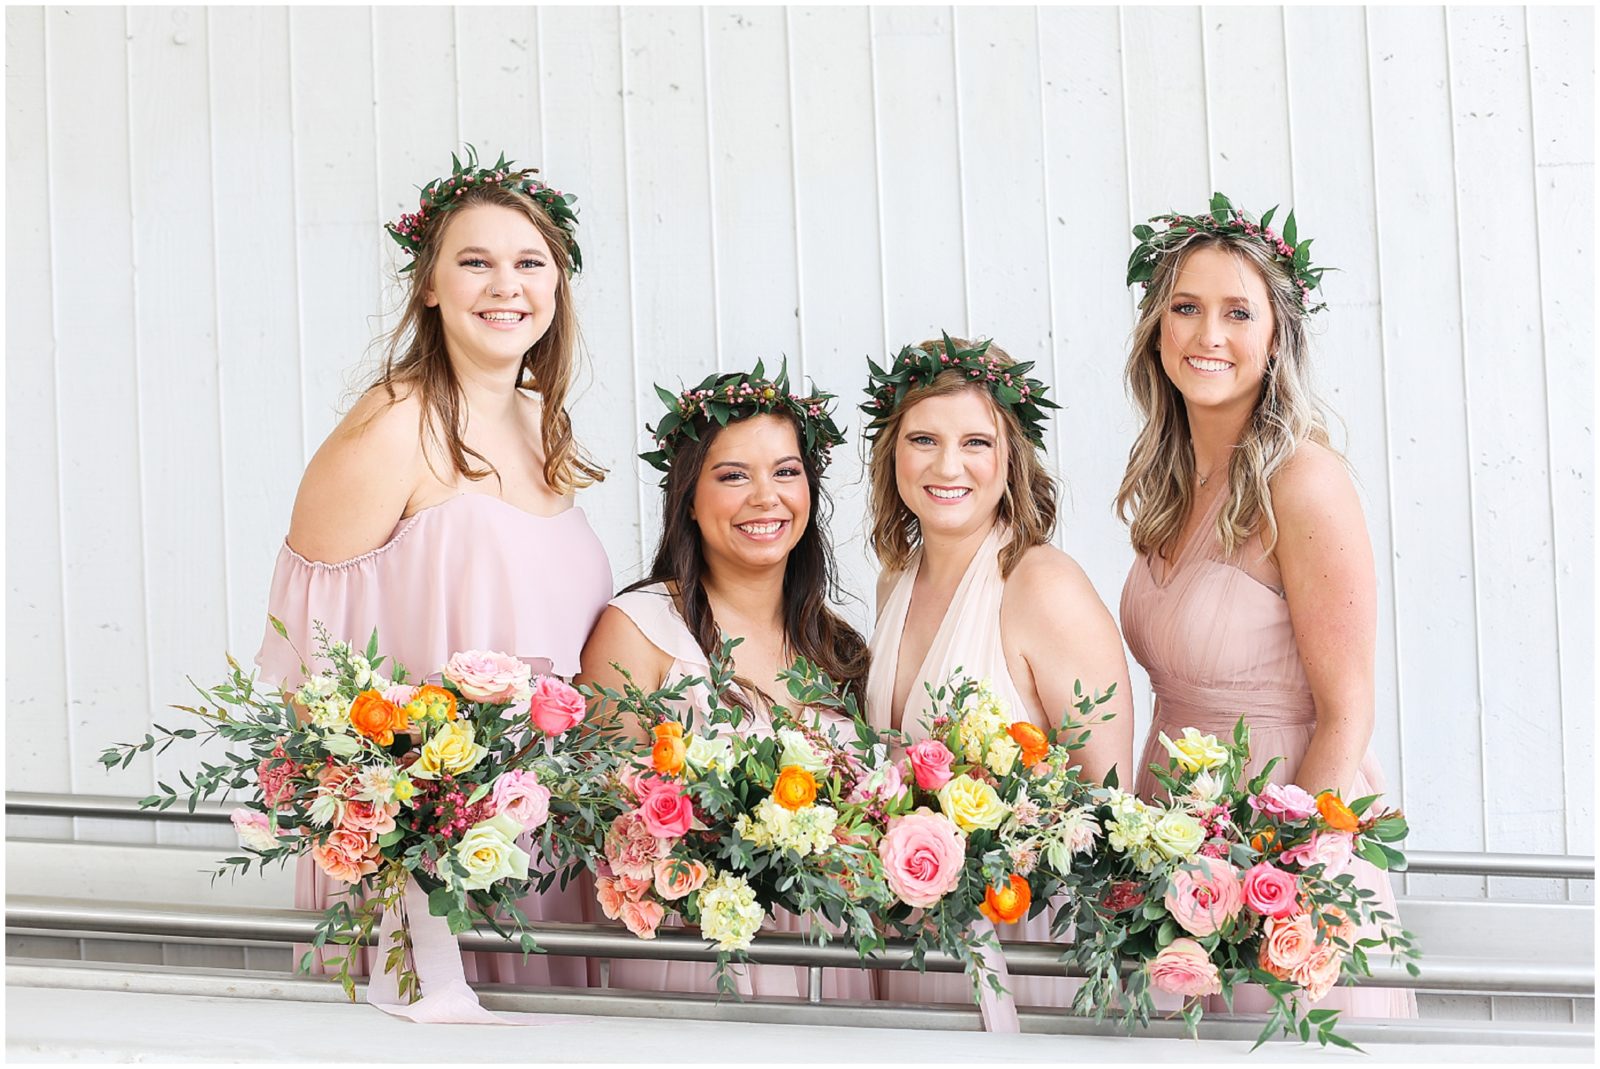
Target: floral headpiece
(914, 367)
(1225, 219)
(440, 195)
(735, 396)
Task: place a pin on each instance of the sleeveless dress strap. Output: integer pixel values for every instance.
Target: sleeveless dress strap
(655, 613)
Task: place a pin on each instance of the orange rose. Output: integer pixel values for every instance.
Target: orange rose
(796, 788)
(1034, 745)
(1338, 816)
(1009, 904)
(376, 718)
(432, 702)
(667, 755)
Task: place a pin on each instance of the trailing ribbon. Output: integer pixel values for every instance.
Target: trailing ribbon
(999, 1011)
(446, 998)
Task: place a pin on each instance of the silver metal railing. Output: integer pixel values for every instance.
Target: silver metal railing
(1426, 862)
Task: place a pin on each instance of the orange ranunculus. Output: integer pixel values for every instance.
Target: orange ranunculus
(1033, 742)
(1007, 905)
(1264, 840)
(432, 703)
(1339, 816)
(796, 788)
(667, 755)
(376, 718)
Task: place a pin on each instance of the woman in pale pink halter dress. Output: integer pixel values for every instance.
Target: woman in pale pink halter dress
(744, 552)
(440, 512)
(962, 515)
(1281, 634)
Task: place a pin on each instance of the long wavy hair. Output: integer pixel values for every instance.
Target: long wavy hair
(1157, 491)
(416, 357)
(811, 629)
(1028, 505)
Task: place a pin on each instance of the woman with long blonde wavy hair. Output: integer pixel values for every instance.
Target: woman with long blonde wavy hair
(1253, 591)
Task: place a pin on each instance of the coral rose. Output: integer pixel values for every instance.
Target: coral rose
(930, 761)
(554, 707)
(346, 856)
(796, 788)
(669, 753)
(1338, 816)
(1287, 942)
(611, 899)
(923, 854)
(1203, 901)
(376, 718)
(1319, 972)
(1270, 891)
(676, 878)
(483, 676)
(369, 818)
(666, 810)
(1182, 968)
(1008, 904)
(1035, 747)
(643, 917)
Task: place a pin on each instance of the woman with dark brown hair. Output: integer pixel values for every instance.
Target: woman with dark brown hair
(435, 510)
(744, 552)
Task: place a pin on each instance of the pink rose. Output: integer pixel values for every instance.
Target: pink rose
(346, 856)
(1319, 972)
(555, 707)
(495, 678)
(254, 829)
(1287, 943)
(399, 693)
(520, 796)
(1330, 849)
(369, 818)
(930, 760)
(643, 917)
(1203, 901)
(676, 878)
(1284, 801)
(923, 854)
(883, 783)
(631, 849)
(1182, 968)
(666, 810)
(611, 899)
(1270, 891)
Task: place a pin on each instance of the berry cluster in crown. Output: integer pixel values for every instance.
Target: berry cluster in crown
(914, 367)
(1224, 218)
(734, 396)
(442, 194)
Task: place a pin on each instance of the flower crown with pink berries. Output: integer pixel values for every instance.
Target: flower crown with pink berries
(441, 195)
(735, 396)
(914, 367)
(1225, 219)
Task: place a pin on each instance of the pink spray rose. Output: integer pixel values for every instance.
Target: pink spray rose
(666, 810)
(930, 760)
(1182, 968)
(642, 918)
(555, 707)
(346, 855)
(1330, 849)
(631, 849)
(1284, 801)
(1203, 901)
(1287, 943)
(369, 818)
(922, 853)
(1270, 891)
(482, 676)
(883, 783)
(676, 878)
(520, 796)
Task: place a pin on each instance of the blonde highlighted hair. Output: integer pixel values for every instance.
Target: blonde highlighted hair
(1157, 489)
(416, 356)
(1028, 506)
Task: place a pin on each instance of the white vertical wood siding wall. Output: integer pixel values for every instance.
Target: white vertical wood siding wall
(195, 270)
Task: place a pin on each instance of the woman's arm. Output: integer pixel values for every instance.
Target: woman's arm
(1054, 617)
(617, 639)
(1325, 557)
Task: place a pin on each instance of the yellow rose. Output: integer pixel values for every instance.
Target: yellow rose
(452, 749)
(1177, 835)
(971, 804)
(1195, 752)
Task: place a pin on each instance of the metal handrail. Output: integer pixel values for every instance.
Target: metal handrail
(1419, 862)
(87, 918)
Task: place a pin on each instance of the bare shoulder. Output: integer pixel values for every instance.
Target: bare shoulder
(358, 484)
(1053, 582)
(617, 639)
(1314, 489)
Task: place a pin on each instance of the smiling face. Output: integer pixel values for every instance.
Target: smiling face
(950, 463)
(752, 501)
(1216, 331)
(494, 284)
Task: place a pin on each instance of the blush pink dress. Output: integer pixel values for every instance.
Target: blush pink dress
(472, 572)
(968, 638)
(655, 613)
(1218, 643)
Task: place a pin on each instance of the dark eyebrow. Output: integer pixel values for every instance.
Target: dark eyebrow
(791, 459)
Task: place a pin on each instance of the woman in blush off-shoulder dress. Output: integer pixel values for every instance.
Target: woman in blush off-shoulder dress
(1253, 592)
(440, 509)
(744, 552)
(961, 510)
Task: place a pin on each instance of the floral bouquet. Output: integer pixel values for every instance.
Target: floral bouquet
(1232, 883)
(383, 783)
(721, 829)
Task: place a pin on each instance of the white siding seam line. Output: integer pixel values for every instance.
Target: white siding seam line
(377, 167)
(455, 70)
(877, 183)
(639, 477)
(1205, 97)
(1049, 261)
(216, 332)
(294, 209)
(794, 200)
(961, 174)
(538, 84)
(1288, 108)
(711, 187)
(1127, 146)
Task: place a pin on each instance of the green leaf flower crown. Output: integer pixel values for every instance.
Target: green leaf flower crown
(735, 396)
(439, 196)
(914, 367)
(1224, 218)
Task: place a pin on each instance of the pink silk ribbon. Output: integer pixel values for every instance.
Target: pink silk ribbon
(446, 998)
(999, 1011)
